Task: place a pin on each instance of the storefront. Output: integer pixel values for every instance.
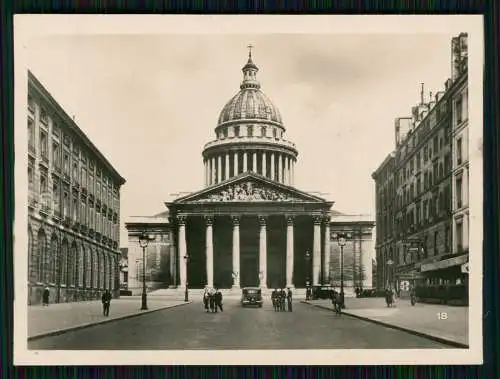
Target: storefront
(449, 271)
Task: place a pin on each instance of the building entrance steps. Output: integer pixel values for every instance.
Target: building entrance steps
(447, 324)
(58, 318)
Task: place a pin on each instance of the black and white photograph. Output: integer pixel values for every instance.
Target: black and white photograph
(248, 190)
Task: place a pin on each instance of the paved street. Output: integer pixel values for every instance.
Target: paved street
(189, 327)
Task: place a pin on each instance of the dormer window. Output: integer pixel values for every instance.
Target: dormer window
(250, 131)
(263, 131)
(225, 133)
(275, 134)
(236, 131)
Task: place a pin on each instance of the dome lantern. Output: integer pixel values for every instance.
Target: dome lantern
(250, 73)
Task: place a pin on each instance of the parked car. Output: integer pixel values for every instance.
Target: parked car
(251, 296)
(322, 292)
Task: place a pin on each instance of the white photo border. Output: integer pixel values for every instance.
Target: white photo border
(27, 27)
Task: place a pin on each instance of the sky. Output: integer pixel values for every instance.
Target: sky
(150, 102)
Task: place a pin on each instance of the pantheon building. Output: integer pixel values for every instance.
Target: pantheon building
(249, 225)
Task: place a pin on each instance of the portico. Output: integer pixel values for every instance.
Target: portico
(256, 229)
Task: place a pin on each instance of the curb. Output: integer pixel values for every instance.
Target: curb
(397, 327)
(105, 321)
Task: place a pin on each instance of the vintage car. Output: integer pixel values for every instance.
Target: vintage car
(321, 292)
(251, 296)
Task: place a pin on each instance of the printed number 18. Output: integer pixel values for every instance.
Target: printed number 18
(442, 315)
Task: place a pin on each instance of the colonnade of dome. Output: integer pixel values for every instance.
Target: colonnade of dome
(249, 137)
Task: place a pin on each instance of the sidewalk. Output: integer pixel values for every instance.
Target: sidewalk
(59, 318)
(421, 319)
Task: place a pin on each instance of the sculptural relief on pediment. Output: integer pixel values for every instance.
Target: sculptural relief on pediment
(248, 191)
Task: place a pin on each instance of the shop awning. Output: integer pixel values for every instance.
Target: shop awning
(450, 262)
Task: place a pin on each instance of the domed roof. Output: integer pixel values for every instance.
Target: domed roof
(250, 103)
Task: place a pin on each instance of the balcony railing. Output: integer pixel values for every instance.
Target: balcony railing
(67, 221)
(243, 140)
(45, 209)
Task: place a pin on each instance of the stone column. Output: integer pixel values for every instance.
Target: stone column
(285, 171)
(212, 173)
(226, 177)
(235, 164)
(236, 252)
(264, 166)
(245, 162)
(182, 251)
(173, 268)
(289, 252)
(366, 261)
(219, 169)
(326, 256)
(317, 250)
(272, 166)
(280, 168)
(209, 250)
(263, 252)
(206, 172)
(254, 162)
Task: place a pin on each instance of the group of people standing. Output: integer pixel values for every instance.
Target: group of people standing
(281, 299)
(212, 300)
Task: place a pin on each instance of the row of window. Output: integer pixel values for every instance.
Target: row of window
(70, 164)
(237, 131)
(54, 263)
(108, 199)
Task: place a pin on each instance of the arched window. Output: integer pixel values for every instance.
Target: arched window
(88, 268)
(64, 261)
(95, 269)
(32, 272)
(41, 255)
(112, 265)
(52, 255)
(81, 267)
(102, 270)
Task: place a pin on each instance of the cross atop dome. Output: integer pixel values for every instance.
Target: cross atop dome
(250, 71)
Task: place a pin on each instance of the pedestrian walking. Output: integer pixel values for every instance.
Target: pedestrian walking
(274, 299)
(282, 299)
(206, 299)
(106, 302)
(45, 297)
(289, 299)
(218, 300)
(211, 300)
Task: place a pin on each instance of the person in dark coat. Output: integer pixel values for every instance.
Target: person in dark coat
(206, 299)
(211, 300)
(106, 302)
(289, 299)
(45, 296)
(218, 300)
(274, 299)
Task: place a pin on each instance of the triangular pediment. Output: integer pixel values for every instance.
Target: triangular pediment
(249, 187)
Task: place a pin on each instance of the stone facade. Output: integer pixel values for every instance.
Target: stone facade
(73, 207)
(249, 226)
(416, 188)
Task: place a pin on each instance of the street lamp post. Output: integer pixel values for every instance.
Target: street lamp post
(144, 240)
(390, 262)
(342, 241)
(186, 292)
(308, 269)
(261, 276)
